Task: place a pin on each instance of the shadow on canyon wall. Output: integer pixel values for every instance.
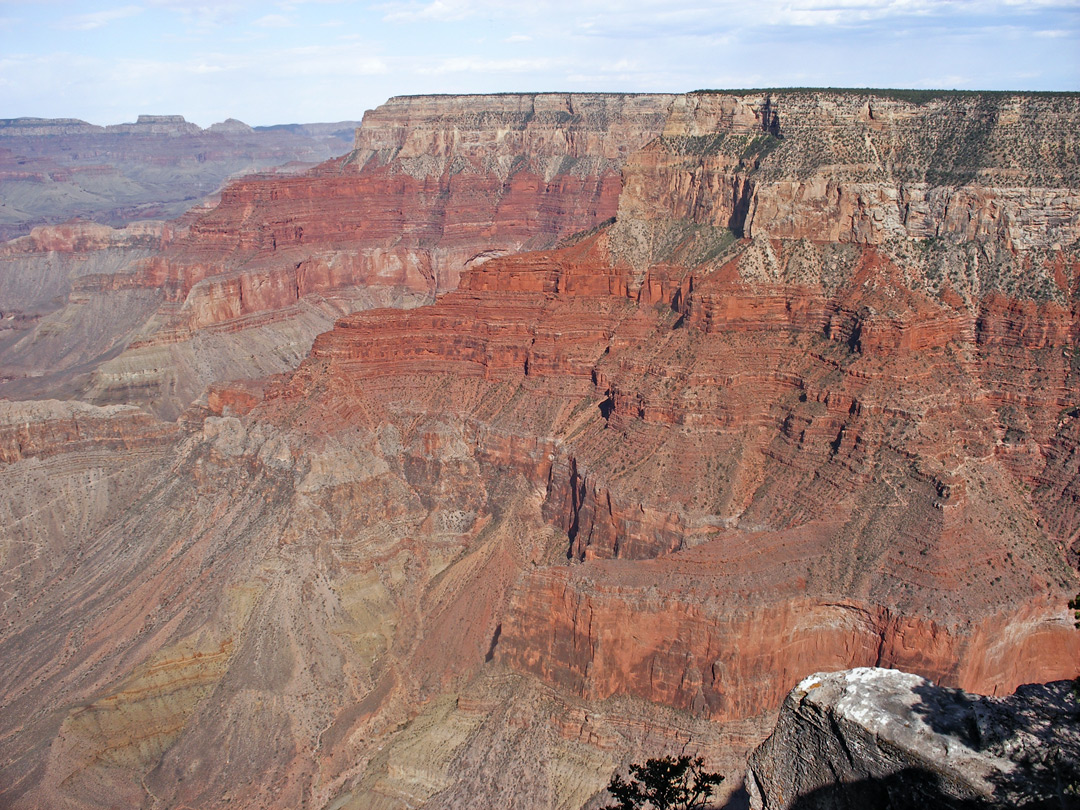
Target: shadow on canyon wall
(1037, 729)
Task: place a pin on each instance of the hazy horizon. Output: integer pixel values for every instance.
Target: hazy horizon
(307, 61)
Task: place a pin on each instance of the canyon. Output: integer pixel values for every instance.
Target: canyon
(538, 434)
(55, 170)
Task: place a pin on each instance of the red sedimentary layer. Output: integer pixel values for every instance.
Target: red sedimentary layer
(428, 191)
(818, 481)
(694, 644)
(77, 237)
(49, 427)
(660, 462)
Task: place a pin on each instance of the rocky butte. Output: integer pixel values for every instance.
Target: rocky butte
(681, 399)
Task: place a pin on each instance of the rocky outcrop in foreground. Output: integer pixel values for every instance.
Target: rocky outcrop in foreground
(873, 737)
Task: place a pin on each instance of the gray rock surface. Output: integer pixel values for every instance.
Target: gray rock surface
(879, 738)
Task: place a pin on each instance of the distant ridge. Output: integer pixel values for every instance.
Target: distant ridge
(30, 126)
(897, 94)
(157, 167)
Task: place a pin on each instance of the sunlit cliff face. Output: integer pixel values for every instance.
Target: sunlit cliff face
(605, 489)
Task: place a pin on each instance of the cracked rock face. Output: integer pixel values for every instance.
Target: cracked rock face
(871, 737)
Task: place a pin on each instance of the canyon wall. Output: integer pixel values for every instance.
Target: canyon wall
(433, 185)
(53, 171)
(446, 181)
(610, 496)
(998, 168)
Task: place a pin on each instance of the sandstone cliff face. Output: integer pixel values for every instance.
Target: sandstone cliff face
(604, 500)
(589, 129)
(49, 321)
(820, 446)
(851, 168)
(870, 736)
(38, 271)
(452, 180)
(434, 185)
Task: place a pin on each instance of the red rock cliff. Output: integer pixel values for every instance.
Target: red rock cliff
(855, 431)
(433, 186)
(614, 496)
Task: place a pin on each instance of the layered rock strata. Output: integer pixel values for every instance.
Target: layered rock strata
(440, 182)
(433, 185)
(602, 501)
(574, 388)
(54, 170)
(40, 270)
(997, 168)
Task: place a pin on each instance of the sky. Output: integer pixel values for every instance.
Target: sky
(330, 60)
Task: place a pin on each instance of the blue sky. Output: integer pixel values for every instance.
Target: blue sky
(329, 60)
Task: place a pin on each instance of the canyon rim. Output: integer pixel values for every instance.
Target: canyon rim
(538, 434)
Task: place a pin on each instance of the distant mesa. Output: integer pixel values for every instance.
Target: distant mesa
(167, 125)
(157, 125)
(230, 126)
(54, 169)
(144, 125)
(37, 127)
(161, 119)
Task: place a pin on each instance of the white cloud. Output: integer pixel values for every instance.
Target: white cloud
(292, 5)
(322, 63)
(274, 21)
(472, 64)
(436, 10)
(518, 38)
(656, 17)
(97, 19)
(206, 16)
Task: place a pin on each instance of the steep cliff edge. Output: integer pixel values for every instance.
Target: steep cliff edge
(848, 167)
(437, 184)
(434, 185)
(440, 182)
(761, 443)
(876, 737)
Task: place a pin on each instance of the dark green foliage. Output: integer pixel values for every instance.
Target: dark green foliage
(957, 158)
(1074, 606)
(664, 784)
(759, 148)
